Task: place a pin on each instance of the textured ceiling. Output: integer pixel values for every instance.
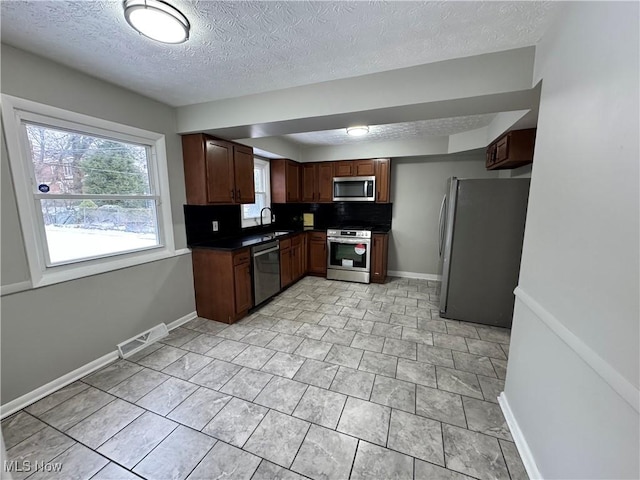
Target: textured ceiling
(395, 131)
(238, 48)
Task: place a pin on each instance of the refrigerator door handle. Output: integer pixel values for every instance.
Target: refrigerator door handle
(441, 224)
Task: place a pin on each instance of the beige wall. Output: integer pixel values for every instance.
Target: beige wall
(417, 187)
(53, 330)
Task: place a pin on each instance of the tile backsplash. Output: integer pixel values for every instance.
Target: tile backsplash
(199, 218)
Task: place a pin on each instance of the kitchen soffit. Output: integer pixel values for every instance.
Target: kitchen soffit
(239, 48)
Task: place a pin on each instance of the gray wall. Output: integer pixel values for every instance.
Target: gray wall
(53, 330)
(573, 376)
(417, 187)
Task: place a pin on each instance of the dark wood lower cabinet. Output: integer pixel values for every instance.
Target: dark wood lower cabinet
(317, 260)
(292, 266)
(222, 282)
(379, 255)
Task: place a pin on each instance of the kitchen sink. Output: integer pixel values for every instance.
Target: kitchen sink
(275, 234)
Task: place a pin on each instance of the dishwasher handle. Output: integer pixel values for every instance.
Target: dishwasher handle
(264, 252)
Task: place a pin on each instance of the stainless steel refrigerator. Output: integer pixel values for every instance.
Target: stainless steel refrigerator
(481, 233)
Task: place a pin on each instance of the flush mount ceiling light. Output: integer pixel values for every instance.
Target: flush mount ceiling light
(157, 20)
(357, 131)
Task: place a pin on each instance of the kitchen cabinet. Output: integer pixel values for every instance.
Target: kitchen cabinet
(285, 181)
(354, 168)
(317, 182)
(217, 171)
(291, 259)
(343, 169)
(379, 257)
(317, 261)
(363, 168)
(512, 150)
(383, 180)
(222, 282)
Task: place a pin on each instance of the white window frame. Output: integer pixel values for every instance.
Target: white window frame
(255, 221)
(16, 110)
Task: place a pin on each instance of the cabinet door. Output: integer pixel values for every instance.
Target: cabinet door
(383, 177)
(344, 169)
(325, 181)
(219, 172)
(243, 170)
(502, 149)
(293, 182)
(242, 278)
(285, 267)
(363, 168)
(379, 258)
(318, 257)
(309, 182)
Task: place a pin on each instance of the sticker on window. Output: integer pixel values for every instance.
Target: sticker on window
(360, 249)
(347, 263)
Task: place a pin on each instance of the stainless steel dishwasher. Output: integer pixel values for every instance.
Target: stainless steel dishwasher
(266, 271)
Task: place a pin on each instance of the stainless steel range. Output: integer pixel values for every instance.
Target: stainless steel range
(349, 255)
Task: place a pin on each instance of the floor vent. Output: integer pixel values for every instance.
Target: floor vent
(137, 343)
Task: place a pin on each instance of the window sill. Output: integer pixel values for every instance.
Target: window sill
(100, 267)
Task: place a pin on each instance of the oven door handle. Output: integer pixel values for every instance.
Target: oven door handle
(348, 240)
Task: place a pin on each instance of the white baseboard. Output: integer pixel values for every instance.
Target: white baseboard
(421, 276)
(182, 320)
(41, 392)
(518, 438)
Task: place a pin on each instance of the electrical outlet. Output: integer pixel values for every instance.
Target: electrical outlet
(214, 224)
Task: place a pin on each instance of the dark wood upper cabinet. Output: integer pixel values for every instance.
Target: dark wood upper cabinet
(285, 181)
(217, 171)
(317, 182)
(514, 149)
(325, 181)
(383, 180)
(363, 168)
(309, 182)
(344, 169)
(243, 171)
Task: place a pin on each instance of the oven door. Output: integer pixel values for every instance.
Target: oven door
(349, 254)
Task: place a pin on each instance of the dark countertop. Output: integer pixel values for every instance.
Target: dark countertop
(244, 241)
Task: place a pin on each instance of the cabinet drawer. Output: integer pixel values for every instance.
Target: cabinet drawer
(318, 236)
(241, 257)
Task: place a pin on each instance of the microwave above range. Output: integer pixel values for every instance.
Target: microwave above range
(354, 189)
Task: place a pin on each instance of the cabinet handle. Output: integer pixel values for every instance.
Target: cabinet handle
(233, 193)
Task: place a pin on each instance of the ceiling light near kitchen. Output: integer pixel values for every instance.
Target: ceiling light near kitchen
(357, 131)
(157, 20)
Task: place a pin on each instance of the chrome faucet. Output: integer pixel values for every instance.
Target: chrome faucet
(270, 211)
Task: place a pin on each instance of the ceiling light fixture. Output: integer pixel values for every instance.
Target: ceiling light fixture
(357, 131)
(157, 20)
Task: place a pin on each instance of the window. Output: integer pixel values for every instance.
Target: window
(92, 195)
(251, 213)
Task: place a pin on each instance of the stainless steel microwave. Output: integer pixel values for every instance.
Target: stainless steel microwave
(354, 189)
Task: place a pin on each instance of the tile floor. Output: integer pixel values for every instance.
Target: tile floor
(329, 380)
